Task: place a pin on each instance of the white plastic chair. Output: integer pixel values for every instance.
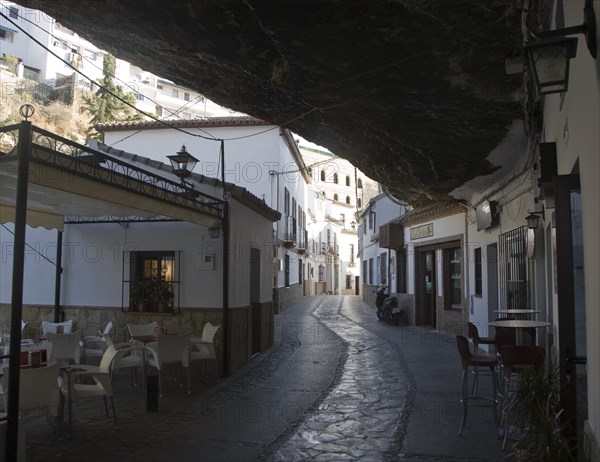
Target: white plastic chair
(75, 390)
(94, 346)
(38, 389)
(139, 330)
(53, 327)
(65, 346)
(169, 349)
(203, 347)
(129, 357)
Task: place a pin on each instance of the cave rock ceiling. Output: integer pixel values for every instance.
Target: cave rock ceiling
(413, 92)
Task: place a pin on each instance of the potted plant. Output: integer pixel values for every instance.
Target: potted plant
(536, 404)
(162, 294)
(140, 295)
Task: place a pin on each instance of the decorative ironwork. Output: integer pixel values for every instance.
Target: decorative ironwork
(63, 154)
(115, 219)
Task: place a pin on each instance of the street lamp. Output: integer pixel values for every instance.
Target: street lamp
(552, 51)
(534, 217)
(183, 163)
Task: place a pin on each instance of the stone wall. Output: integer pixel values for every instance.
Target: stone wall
(285, 297)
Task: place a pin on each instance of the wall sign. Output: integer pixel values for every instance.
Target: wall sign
(419, 232)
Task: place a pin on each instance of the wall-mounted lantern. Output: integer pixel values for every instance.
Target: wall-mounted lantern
(552, 51)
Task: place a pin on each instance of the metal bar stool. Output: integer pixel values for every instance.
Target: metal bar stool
(473, 334)
(470, 360)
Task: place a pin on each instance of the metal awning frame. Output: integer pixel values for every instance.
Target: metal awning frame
(51, 150)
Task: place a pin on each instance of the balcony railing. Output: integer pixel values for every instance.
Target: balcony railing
(289, 236)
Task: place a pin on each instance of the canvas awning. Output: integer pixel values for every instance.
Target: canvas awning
(85, 182)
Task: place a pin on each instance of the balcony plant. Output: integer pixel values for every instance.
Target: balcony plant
(161, 294)
(140, 295)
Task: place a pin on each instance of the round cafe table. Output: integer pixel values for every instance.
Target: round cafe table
(519, 325)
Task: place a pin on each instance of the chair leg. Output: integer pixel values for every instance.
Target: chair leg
(106, 407)
(159, 384)
(465, 399)
(495, 397)
(189, 386)
(114, 409)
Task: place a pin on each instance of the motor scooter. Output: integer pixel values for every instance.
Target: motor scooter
(387, 307)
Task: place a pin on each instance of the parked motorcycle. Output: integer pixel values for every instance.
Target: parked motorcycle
(387, 307)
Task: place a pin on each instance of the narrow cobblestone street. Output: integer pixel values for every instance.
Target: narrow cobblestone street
(338, 385)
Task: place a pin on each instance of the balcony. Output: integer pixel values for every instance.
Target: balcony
(289, 235)
(302, 246)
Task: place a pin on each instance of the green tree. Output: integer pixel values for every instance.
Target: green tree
(103, 106)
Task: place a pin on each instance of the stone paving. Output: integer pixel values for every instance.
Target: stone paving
(360, 418)
(337, 385)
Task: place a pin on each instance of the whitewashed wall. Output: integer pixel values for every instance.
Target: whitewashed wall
(580, 114)
(93, 261)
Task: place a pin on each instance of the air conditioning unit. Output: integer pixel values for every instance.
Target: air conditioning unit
(391, 236)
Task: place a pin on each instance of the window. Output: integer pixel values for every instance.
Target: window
(174, 93)
(364, 271)
(352, 254)
(152, 281)
(514, 270)
(321, 273)
(348, 281)
(335, 178)
(347, 180)
(159, 86)
(343, 219)
(383, 268)
(75, 49)
(359, 183)
(90, 54)
(287, 270)
(139, 97)
(300, 272)
(13, 12)
(359, 203)
(452, 278)
(478, 281)
(159, 110)
(60, 44)
(6, 35)
(186, 96)
(347, 199)
(371, 281)
(322, 175)
(401, 271)
(286, 201)
(335, 197)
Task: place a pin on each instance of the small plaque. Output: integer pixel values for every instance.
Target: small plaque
(419, 232)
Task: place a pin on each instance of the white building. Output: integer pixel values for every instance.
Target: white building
(260, 157)
(50, 66)
(339, 192)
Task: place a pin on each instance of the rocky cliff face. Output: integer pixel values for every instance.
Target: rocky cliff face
(413, 92)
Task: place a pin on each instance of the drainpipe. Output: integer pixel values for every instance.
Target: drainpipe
(57, 276)
(16, 314)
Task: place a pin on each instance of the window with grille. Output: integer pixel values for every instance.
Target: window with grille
(514, 270)
(453, 277)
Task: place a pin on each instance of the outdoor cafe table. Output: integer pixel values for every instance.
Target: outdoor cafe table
(519, 325)
(520, 314)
